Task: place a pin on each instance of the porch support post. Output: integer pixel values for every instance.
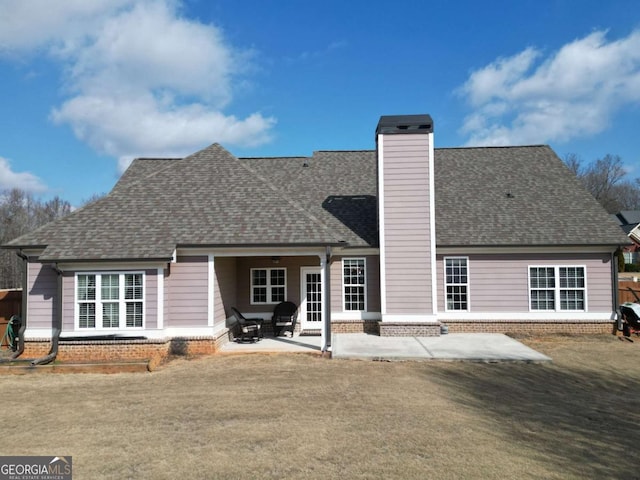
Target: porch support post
(325, 278)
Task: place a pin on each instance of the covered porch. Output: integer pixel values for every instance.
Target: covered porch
(252, 283)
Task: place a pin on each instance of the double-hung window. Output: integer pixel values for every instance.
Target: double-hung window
(556, 288)
(456, 283)
(268, 285)
(110, 300)
(354, 279)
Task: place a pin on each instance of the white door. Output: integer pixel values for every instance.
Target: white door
(311, 299)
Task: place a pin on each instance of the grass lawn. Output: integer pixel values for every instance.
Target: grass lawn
(299, 416)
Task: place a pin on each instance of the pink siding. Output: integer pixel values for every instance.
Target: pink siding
(225, 295)
(151, 299)
(68, 299)
(187, 291)
(373, 283)
(42, 287)
(499, 283)
(336, 286)
(407, 229)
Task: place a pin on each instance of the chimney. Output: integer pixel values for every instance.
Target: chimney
(406, 217)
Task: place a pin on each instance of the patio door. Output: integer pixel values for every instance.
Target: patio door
(311, 298)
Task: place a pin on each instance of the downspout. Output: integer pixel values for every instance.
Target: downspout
(23, 308)
(326, 337)
(57, 324)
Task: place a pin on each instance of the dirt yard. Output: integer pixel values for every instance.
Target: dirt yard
(304, 417)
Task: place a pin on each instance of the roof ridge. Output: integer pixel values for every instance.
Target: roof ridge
(478, 147)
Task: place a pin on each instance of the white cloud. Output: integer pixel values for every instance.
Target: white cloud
(571, 93)
(141, 80)
(23, 180)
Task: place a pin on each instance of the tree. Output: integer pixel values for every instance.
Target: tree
(20, 213)
(605, 179)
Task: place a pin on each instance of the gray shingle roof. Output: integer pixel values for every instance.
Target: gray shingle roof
(494, 196)
(212, 198)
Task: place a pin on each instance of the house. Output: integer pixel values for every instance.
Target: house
(629, 221)
(399, 240)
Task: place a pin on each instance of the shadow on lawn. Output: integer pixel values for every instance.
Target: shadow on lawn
(579, 422)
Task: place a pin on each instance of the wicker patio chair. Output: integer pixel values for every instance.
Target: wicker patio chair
(284, 318)
(247, 328)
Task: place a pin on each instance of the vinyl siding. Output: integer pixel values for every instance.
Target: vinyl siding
(373, 283)
(499, 283)
(186, 288)
(225, 295)
(42, 286)
(407, 229)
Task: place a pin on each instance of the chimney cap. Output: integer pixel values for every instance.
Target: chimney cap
(405, 124)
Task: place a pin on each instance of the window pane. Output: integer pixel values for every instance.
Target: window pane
(456, 297)
(571, 277)
(259, 277)
(277, 294)
(87, 315)
(277, 277)
(134, 314)
(110, 315)
(260, 295)
(110, 289)
(542, 277)
(572, 299)
(542, 300)
(133, 286)
(86, 287)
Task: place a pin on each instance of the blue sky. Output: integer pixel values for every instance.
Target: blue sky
(85, 87)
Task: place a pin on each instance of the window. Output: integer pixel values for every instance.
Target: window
(456, 283)
(557, 288)
(354, 281)
(115, 299)
(268, 285)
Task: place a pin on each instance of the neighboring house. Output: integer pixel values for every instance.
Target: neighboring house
(629, 221)
(395, 241)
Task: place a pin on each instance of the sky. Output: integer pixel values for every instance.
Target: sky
(85, 87)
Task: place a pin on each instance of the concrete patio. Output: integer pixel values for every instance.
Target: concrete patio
(475, 347)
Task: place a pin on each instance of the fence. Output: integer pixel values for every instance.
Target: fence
(626, 290)
(10, 304)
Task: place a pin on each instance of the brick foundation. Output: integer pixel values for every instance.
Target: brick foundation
(74, 351)
(393, 329)
(531, 327)
(355, 326)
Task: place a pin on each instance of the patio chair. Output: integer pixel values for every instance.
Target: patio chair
(248, 328)
(284, 318)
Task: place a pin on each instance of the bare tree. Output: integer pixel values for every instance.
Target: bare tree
(605, 179)
(20, 213)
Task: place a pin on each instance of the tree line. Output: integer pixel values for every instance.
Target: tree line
(20, 213)
(607, 180)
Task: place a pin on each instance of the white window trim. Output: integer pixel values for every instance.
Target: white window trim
(557, 289)
(268, 286)
(98, 302)
(344, 295)
(468, 284)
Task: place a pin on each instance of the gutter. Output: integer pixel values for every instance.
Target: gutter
(57, 324)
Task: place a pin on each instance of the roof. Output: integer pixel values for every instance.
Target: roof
(487, 196)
